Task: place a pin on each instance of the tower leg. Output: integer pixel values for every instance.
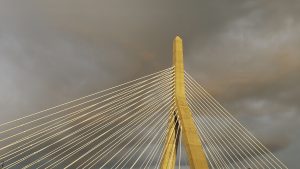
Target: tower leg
(170, 150)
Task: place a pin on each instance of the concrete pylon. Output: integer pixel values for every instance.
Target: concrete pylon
(191, 139)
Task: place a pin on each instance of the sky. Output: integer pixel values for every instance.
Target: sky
(244, 52)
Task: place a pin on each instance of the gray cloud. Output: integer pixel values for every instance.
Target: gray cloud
(244, 52)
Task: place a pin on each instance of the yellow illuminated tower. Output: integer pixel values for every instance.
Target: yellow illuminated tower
(191, 138)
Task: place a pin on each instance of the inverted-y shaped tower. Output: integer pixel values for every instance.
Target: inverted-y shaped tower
(182, 120)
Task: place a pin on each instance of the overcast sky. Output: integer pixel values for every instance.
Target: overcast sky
(245, 52)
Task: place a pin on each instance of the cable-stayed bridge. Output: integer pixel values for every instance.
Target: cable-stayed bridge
(162, 120)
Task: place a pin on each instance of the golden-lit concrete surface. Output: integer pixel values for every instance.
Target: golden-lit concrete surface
(171, 144)
(193, 146)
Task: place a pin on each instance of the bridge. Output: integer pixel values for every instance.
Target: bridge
(161, 120)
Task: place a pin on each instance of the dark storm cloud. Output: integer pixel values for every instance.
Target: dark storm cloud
(245, 52)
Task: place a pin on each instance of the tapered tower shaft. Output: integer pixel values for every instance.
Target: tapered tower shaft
(191, 138)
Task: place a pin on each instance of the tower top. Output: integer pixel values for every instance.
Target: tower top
(177, 52)
(178, 38)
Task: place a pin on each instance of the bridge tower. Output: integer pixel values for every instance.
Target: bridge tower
(182, 120)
